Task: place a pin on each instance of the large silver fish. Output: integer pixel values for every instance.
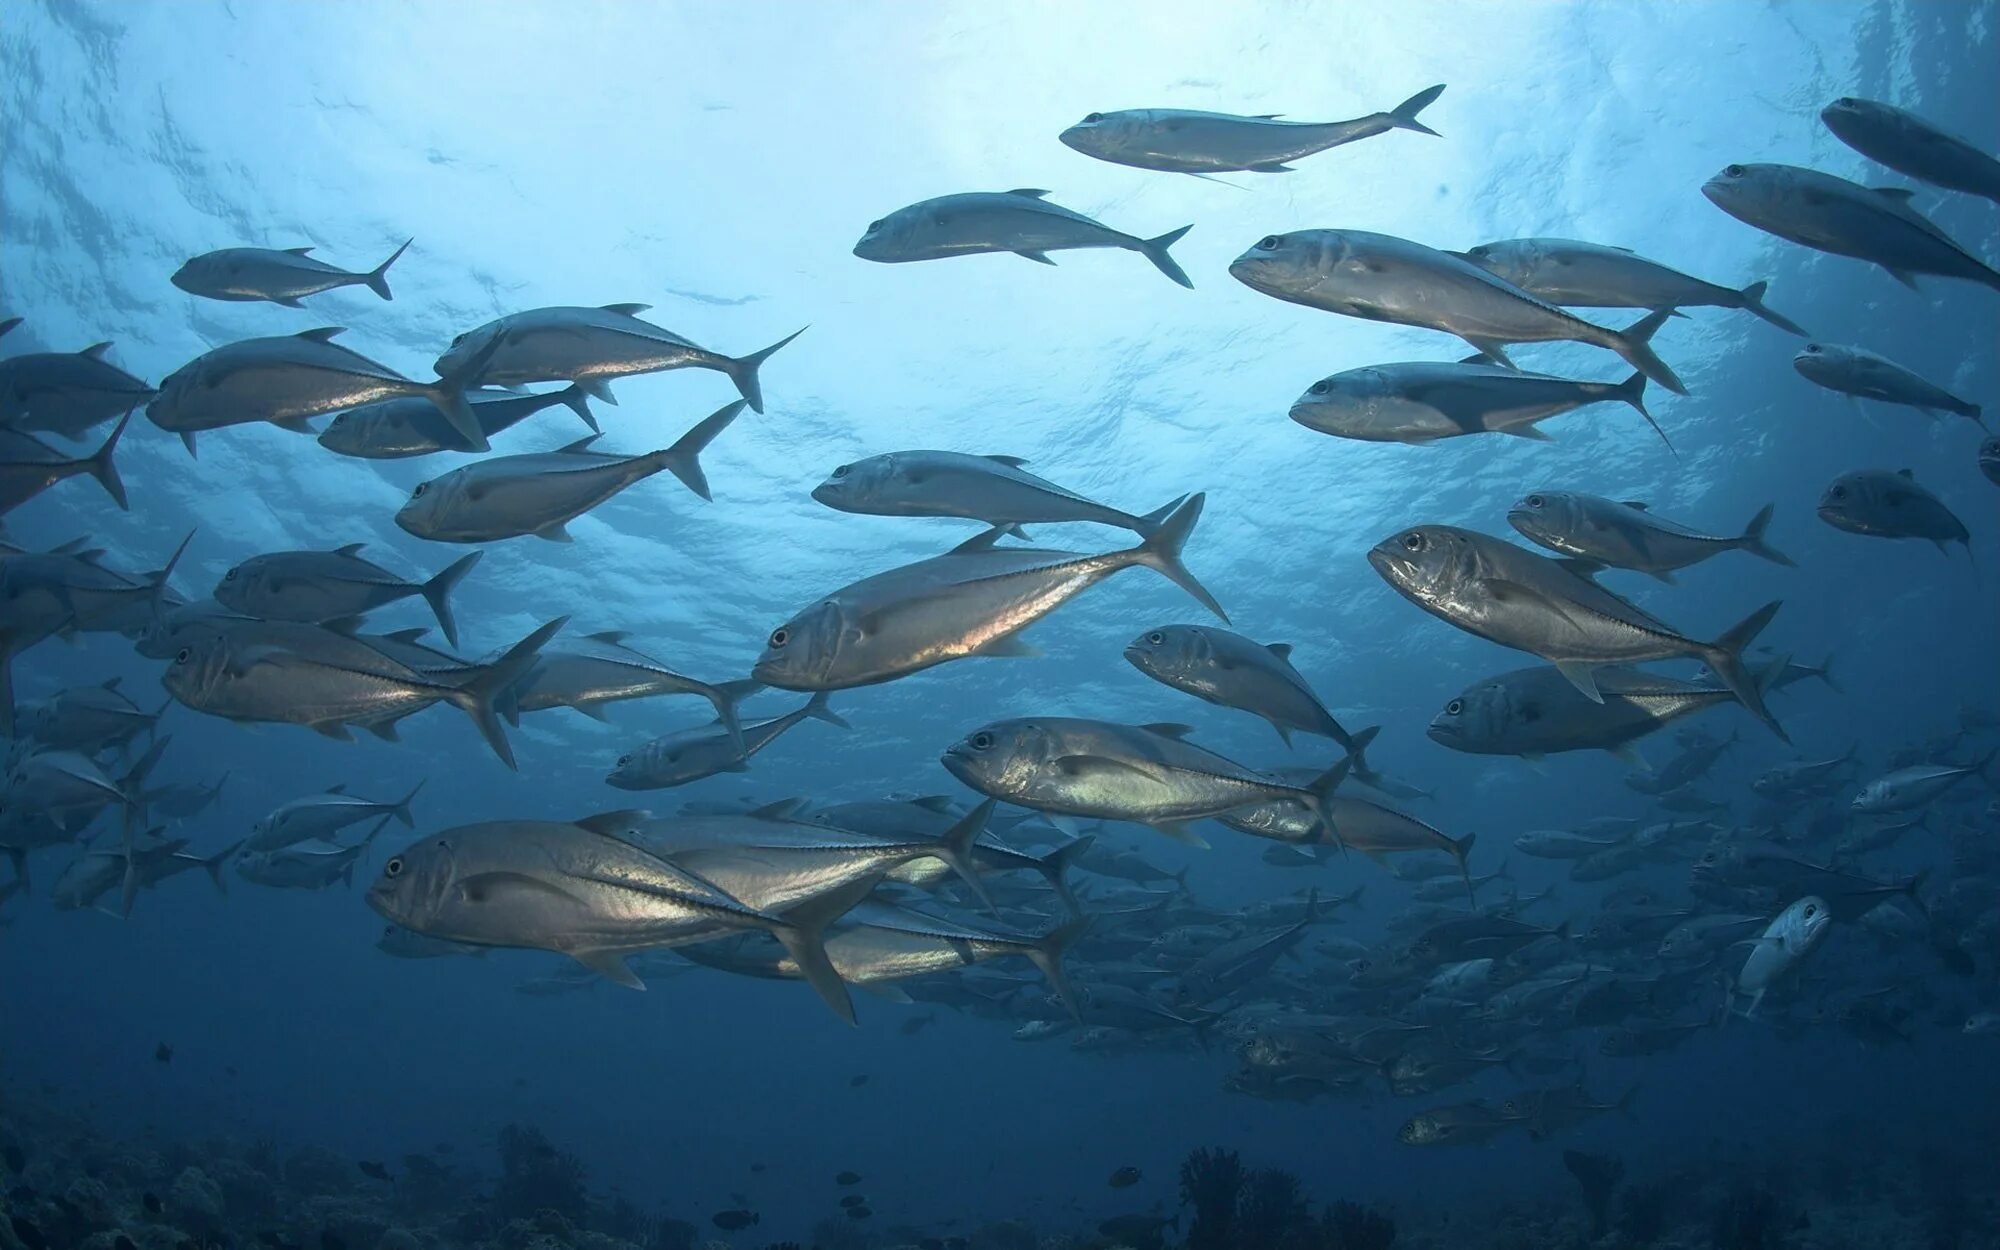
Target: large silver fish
(1379, 277)
(993, 489)
(590, 347)
(1627, 535)
(687, 755)
(1497, 591)
(66, 393)
(1910, 145)
(319, 586)
(970, 601)
(542, 492)
(396, 429)
(308, 865)
(281, 276)
(1881, 504)
(1187, 141)
(1859, 372)
(1533, 712)
(1593, 275)
(319, 817)
(1830, 214)
(292, 378)
(580, 889)
(1422, 401)
(1018, 221)
(604, 670)
(29, 466)
(91, 719)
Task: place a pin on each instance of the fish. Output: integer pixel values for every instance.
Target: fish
(687, 755)
(1880, 504)
(1626, 534)
(279, 276)
(321, 586)
(28, 467)
(1020, 221)
(853, 1200)
(289, 379)
(1829, 214)
(1124, 1178)
(540, 493)
(1594, 275)
(1352, 823)
(163, 1053)
(1229, 670)
(577, 888)
(605, 670)
(1504, 594)
(970, 601)
(1907, 789)
(1188, 141)
(733, 1220)
(291, 673)
(1464, 1124)
(1861, 373)
(847, 1178)
(69, 784)
(309, 865)
(1912, 146)
(66, 393)
(1791, 936)
(138, 864)
(90, 719)
(1066, 767)
(1422, 401)
(995, 490)
(374, 1171)
(590, 347)
(1379, 277)
(322, 816)
(398, 429)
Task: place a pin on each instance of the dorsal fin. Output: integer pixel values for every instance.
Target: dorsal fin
(1267, 117)
(322, 335)
(1479, 358)
(298, 251)
(611, 824)
(626, 310)
(339, 789)
(1899, 195)
(408, 635)
(581, 444)
(1283, 650)
(344, 624)
(939, 803)
(1033, 193)
(783, 809)
(1906, 473)
(1167, 729)
(1012, 462)
(978, 542)
(351, 549)
(1640, 504)
(96, 350)
(615, 637)
(111, 683)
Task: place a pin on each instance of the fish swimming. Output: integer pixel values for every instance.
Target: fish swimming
(1907, 789)
(1910, 145)
(992, 489)
(970, 601)
(1187, 141)
(1422, 401)
(321, 817)
(280, 276)
(1861, 373)
(397, 429)
(1379, 277)
(320, 586)
(1829, 214)
(1504, 594)
(604, 670)
(1019, 221)
(691, 754)
(590, 347)
(1881, 504)
(1794, 934)
(1592, 275)
(66, 393)
(540, 493)
(28, 467)
(1625, 534)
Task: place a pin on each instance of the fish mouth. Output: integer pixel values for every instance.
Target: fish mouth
(1439, 731)
(1393, 568)
(1134, 655)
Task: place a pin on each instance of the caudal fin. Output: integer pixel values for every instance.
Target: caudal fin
(955, 849)
(1055, 867)
(743, 371)
(683, 458)
(1047, 956)
(1633, 391)
(1321, 790)
(1161, 552)
(437, 593)
(1155, 250)
(1753, 300)
(1753, 539)
(378, 278)
(400, 809)
(1725, 659)
(1355, 745)
(98, 464)
(577, 400)
(1461, 850)
(1404, 115)
(724, 697)
(215, 863)
(448, 393)
(816, 707)
(476, 696)
(1634, 343)
(1144, 526)
(803, 933)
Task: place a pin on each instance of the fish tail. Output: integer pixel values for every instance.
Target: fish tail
(1055, 866)
(1047, 956)
(1161, 552)
(816, 707)
(1321, 790)
(1634, 343)
(742, 370)
(1355, 745)
(1148, 525)
(1753, 539)
(448, 393)
(9, 324)
(400, 809)
(215, 863)
(1724, 657)
(98, 464)
(802, 931)
(1404, 115)
(477, 697)
(378, 277)
(577, 400)
(1633, 391)
(437, 593)
(724, 698)
(1753, 300)
(955, 849)
(1155, 250)
(683, 458)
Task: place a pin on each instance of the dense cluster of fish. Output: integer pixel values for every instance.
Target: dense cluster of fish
(912, 898)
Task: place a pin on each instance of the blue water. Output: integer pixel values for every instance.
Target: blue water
(718, 163)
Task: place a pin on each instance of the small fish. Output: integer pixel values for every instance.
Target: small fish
(733, 1220)
(373, 1170)
(756, 1167)
(1880, 504)
(847, 1178)
(278, 276)
(163, 1053)
(853, 1200)
(856, 1082)
(1018, 221)
(1125, 1177)
(1910, 145)
(1863, 374)
(1188, 141)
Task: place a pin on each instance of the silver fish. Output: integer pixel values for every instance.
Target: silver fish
(605, 670)
(1018, 221)
(590, 347)
(1534, 712)
(90, 719)
(66, 393)
(970, 601)
(309, 865)
(1379, 277)
(281, 276)
(397, 429)
(1422, 401)
(541, 492)
(320, 586)
(1910, 145)
(1625, 534)
(992, 489)
(1861, 373)
(1186, 141)
(319, 817)
(690, 754)
(1881, 504)
(1592, 275)
(1907, 789)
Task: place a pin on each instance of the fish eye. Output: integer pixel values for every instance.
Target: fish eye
(1838, 492)
(1415, 541)
(1269, 243)
(1362, 965)
(842, 470)
(1811, 911)
(184, 655)
(1092, 118)
(230, 576)
(1846, 101)
(1812, 349)
(779, 637)
(459, 339)
(1320, 387)
(1454, 707)
(1734, 171)
(624, 761)
(1156, 637)
(875, 225)
(1534, 501)
(982, 741)
(418, 493)
(394, 868)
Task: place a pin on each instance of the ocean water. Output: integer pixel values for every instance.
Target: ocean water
(718, 163)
